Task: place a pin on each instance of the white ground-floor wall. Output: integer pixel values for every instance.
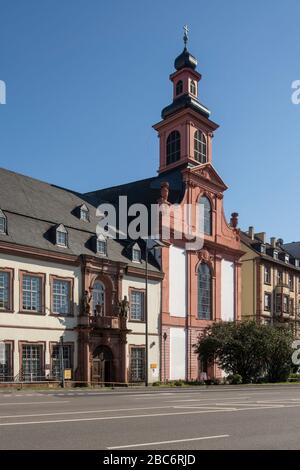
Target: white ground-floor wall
(32, 354)
(135, 357)
(177, 353)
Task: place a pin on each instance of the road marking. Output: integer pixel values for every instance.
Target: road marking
(34, 403)
(198, 407)
(153, 415)
(85, 412)
(168, 442)
(108, 418)
(204, 400)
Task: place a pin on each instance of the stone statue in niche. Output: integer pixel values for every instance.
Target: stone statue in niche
(234, 220)
(124, 307)
(164, 193)
(86, 303)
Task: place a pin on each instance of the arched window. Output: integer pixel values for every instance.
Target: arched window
(205, 215)
(200, 147)
(204, 292)
(193, 88)
(179, 87)
(98, 298)
(173, 147)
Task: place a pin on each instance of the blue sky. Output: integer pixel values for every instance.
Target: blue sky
(86, 80)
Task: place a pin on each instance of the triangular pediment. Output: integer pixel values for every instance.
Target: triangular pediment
(208, 173)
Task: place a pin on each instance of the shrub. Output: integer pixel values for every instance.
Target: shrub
(294, 378)
(235, 379)
(178, 383)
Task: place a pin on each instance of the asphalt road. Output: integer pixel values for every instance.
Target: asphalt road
(256, 417)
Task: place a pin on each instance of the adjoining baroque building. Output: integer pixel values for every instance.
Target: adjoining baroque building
(58, 280)
(270, 280)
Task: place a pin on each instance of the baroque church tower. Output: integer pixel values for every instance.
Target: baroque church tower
(201, 285)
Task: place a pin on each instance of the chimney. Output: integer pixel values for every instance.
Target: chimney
(273, 242)
(251, 232)
(261, 236)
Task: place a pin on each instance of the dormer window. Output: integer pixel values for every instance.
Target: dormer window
(101, 247)
(136, 253)
(179, 87)
(193, 88)
(3, 223)
(84, 213)
(263, 248)
(61, 236)
(275, 254)
(297, 263)
(286, 258)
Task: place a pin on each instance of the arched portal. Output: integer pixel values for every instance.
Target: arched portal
(102, 365)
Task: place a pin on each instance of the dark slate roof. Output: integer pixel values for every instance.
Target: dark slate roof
(185, 101)
(145, 191)
(185, 59)
(255, 244)
(34, 208)
(293, 248)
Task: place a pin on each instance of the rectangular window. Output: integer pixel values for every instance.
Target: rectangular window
(291, 307)
(291, 282)
(279, 277)
(84, 215)
(61, 238)
(61, 297)
(2, 224)
(5, 293)
(5, 362)
(285, 304)
(137, 364)
(278, 303)
(32, 362)
(32, 293)
(137, 304)
(267, 275)
(267, 303)
(136, 255)
(56, 362)
(101, 247)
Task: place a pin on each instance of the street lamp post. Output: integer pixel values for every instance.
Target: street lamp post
(156, 243)
(165, 372)
(61, 360)
(146, 317)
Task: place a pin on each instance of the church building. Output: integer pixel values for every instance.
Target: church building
(120, 310)
(201, 285)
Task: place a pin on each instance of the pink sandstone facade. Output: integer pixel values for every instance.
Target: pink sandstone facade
(187, 311)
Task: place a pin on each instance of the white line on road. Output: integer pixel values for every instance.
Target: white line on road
(85, 412)
(34, 403)
(152, 415)
(108, 418)
(168, 442)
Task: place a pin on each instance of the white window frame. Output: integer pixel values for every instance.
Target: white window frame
(3, 223)
(59, 231)
(136, 249)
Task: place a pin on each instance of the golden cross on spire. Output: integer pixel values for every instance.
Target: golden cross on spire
(185, 35)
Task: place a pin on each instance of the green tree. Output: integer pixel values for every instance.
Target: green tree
(248, 349)
(279, 353)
